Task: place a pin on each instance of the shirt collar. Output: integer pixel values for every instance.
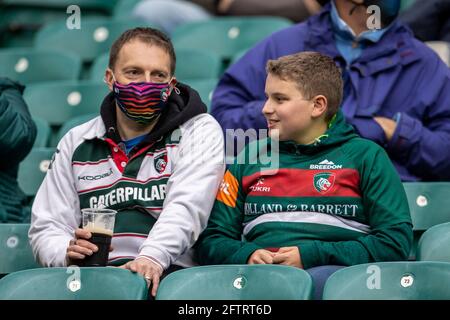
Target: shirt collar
(341, 28)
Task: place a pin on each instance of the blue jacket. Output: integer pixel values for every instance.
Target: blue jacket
(399, 75)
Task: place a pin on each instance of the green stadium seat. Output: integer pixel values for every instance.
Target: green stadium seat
(434, 245)
(442, 48)
(43, 133)
(97, 70)
(205, 88)
(73, 283)
(405, 4)
(58, 102)
(237, 282)
(416, 280)
(88, 5)
(124, 8)
(429, 204)
(20, 19)
(197, 64)
(76, 121)
(30, 66)
(33, 168)
(15, 250)
(226, 36)
(93, 39)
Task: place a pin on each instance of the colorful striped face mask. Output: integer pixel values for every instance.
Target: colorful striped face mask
(143, 101)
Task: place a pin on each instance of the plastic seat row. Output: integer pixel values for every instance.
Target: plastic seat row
(376, 281)
(31, 66)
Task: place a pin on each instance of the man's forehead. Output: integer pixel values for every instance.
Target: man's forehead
(143, 54)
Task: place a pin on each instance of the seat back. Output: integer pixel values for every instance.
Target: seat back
(237, 282)
(15, 250)
(73, 283)
(93, 39)
(43, 132)
(434, 245)
(390, 281)
(428, 202)
(33, 168)
(60, 102)
(30, 65)
(226, 36)
(205, 88)
(72, 123)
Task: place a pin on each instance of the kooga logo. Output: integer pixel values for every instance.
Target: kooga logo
(97, 177)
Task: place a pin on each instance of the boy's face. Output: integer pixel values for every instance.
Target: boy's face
(140, 62)
(286, 110)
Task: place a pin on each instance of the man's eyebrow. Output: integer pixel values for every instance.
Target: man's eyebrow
(159, 71)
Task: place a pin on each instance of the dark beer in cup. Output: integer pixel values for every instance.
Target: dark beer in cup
(102, 239)
(100, 222)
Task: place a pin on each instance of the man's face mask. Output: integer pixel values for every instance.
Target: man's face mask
(142, 101)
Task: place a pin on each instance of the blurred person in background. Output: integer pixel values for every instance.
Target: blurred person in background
(396, 89)
(18, 132)
(429, 20)
(169, 14)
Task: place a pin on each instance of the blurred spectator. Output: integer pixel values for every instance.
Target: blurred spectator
(429, 20)
(168, 14)
(17, 136)
(295, 10)
(397, 90)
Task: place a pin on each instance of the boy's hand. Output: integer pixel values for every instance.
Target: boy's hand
(289, 256)
(261, 256)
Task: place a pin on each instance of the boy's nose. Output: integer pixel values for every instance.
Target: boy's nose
(267, 108)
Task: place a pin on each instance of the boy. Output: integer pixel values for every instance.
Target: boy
(335, 199)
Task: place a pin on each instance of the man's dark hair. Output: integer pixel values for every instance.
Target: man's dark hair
(315, 74)
(147, 35)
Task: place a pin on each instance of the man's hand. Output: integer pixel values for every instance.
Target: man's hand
(289, 256)
(150, 270)
(79, 248)
(261, 256)
(388, 126)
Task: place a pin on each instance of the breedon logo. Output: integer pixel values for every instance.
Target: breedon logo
(325, 165)
(323, 182)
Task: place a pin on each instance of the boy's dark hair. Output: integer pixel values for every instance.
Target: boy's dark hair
(314, 73)
(147, 35)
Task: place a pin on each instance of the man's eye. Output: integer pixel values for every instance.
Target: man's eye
(132, 72)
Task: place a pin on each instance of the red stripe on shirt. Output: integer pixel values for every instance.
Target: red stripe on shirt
(300, 183)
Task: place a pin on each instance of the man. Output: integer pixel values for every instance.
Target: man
(153, 154)
(397, 90)
(347, 205)
(16, 140)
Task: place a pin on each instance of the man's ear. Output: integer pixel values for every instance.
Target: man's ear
(109, 79)
(320, 106)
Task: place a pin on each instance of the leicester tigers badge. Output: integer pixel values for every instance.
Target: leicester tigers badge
(323, 182)
(161, 162)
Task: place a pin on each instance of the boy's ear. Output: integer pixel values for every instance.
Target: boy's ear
(320, 106)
